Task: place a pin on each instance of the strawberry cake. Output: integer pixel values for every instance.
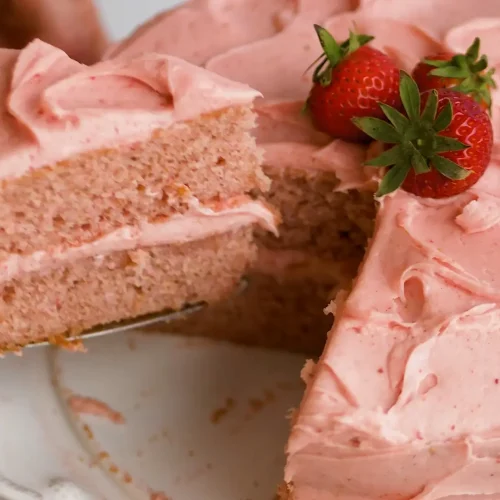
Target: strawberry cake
(400, 119)
(126, 189)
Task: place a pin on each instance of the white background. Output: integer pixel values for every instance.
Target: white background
(122, 16)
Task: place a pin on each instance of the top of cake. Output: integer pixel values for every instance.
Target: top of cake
(53, 107)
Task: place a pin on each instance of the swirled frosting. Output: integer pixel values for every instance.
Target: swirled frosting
(53, 107)
(199, 29)
(403, 403)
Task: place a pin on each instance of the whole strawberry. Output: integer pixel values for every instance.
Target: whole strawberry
(350, 80)
(467, 73)
(440, 148)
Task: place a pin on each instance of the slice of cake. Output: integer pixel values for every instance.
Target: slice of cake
(72, 26)
(124, 190)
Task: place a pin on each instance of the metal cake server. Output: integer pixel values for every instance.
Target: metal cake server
(165, 316)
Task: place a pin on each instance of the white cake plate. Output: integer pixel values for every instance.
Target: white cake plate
(203, 420)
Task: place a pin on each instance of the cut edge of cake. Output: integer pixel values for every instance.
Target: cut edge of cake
(119, 169)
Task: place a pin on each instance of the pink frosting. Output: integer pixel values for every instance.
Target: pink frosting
(390, 412)
(436, 17)
(201, 29)
(53, 107)
(288, 54)
(403, 402)
(459, 38)
(339, 156)
(198, 223)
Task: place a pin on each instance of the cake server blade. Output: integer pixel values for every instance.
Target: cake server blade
(165, 316)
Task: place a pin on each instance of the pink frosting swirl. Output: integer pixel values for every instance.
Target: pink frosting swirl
(53, 107)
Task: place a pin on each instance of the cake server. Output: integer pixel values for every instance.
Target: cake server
(165, 316)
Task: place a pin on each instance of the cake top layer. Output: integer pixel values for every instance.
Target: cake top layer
(53, 107)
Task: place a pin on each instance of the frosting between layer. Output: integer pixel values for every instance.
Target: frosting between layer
(198, 223)
(53, 107)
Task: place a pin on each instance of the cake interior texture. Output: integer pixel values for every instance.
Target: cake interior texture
(147, 207)
(322, 240)
(96, 192)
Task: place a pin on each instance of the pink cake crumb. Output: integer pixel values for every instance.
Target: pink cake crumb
(91, 406)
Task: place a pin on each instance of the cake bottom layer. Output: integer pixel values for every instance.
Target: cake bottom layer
(99, 290)
(283, 305)
(282, 310)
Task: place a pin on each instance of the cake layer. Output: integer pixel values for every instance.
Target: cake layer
(281, 307)
(315, 192)
(196, 224)
(53, 107)
(93, 193)
(122, 284)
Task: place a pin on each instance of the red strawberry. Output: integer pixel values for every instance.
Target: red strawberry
(350, 80)
(439, 149)
(462, 72)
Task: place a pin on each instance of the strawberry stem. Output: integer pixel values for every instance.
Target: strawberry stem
(470, 69)
(416, 139)
(333, 53)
